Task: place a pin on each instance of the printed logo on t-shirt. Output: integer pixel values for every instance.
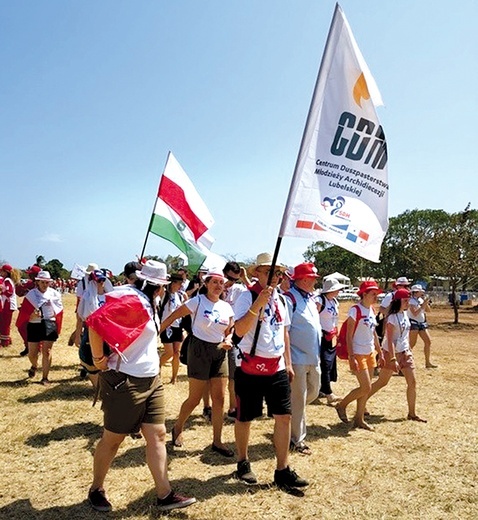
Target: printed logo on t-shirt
(215, 317)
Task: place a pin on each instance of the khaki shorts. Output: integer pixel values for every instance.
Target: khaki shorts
(206, 360)
(366, 361)
(128, 401)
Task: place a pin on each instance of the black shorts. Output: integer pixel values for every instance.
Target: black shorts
(251, 391)
(172, 335)
(128, 401)
(86, 357)
(206, 360)
(36, 332)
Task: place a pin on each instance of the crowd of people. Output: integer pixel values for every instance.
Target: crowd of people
(262, 335)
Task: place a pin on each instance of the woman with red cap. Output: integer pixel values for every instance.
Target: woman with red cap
(362, 346)
(8, 302)
(397, 352)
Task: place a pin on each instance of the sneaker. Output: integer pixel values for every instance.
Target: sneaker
(288, 478)
(173, 501)
(32, 372)
(98, 500)
(245, 473)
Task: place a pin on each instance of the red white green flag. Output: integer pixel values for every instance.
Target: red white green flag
(181, 216)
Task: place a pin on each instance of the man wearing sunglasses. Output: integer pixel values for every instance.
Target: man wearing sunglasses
(263, 370)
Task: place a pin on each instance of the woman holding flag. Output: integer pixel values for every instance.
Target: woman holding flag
(131, 389)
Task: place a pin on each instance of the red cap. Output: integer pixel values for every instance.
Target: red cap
(34, 269)
(305, 270)
(369, 285)
(6, 267)
(401, 294)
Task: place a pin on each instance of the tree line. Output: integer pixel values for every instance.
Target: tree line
(419, 244)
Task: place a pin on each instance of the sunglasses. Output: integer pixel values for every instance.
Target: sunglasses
(233, 280)
(277, 272)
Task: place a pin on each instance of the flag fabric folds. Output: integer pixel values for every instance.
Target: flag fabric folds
(121, 320)
(339, 190)
(181, 216)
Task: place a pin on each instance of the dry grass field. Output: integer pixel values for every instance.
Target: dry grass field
(401, 470)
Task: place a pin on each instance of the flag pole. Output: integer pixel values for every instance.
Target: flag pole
(307, 130)
(293, 184)
(152, 212)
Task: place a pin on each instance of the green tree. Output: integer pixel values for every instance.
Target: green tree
(453, 252)
(329, 258)
(56, 269)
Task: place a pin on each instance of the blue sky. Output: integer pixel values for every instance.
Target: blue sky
(94, 94)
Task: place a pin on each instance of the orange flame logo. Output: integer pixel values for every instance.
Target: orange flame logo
(360, 90)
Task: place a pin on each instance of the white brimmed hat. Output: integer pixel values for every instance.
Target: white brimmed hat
(417, 288)
(215, 272)
(331, 285)
(91, 267)
(153, 272)
(402, 280)
(43, 276)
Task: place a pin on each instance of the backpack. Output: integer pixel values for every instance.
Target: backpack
(341, 346)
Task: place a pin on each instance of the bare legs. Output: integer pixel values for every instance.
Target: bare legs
(33, 352)
(242, 431)
(196, 390)
(155, 436)
(359, 394)
(409, 373)
(427, 343)
(171, 351)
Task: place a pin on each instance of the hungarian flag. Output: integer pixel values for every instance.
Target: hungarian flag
(181, 216)
(339, 191)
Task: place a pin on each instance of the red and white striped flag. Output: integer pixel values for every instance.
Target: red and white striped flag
(181, 216)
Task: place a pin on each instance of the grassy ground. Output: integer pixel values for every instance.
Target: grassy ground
(402, 470)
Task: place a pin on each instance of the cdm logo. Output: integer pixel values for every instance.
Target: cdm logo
(359, 140)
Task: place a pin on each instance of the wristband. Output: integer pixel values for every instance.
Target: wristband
(252, 312)
(393, 359)
(98, 358)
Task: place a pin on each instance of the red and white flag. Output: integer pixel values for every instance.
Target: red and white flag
(339, 191)
(181, 216)
(121, 320)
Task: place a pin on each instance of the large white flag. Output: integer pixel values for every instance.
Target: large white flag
(181, 216)
(339, 191)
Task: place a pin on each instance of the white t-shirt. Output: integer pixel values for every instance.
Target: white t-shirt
(363, 341)
(141, 357)
(232, 293)
(271, 342)
(209, 319)
(329, 315)
(175, 300)
(401, 328)
(421, 316)
(387, 300)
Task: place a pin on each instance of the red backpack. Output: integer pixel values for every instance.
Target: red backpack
(341, 346)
